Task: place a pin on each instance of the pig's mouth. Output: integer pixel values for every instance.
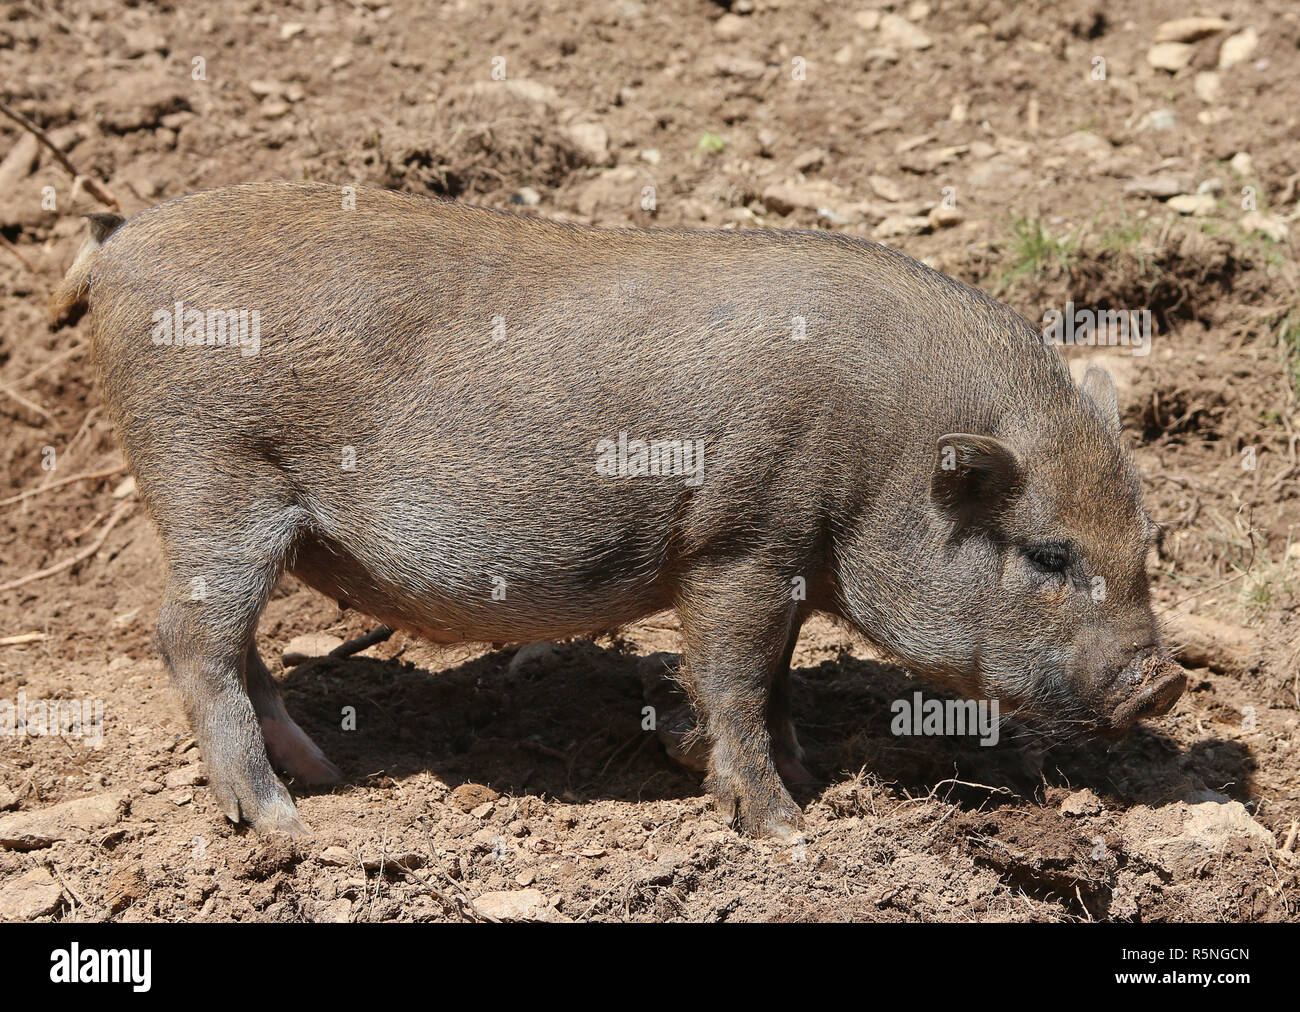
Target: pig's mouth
(1147, 687)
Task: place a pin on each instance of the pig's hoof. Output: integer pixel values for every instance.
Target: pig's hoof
(773, 817)
(266, 807)
(295, 753)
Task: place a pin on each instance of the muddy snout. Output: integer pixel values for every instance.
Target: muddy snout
(1147, 687)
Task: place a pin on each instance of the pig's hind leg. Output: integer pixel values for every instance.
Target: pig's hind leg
(223, 562)
(289, 746)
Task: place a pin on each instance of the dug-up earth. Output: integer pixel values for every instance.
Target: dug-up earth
(1048, 152)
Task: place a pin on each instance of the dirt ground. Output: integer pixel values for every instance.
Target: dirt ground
(478, 785)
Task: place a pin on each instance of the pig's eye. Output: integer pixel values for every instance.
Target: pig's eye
(1048, 558)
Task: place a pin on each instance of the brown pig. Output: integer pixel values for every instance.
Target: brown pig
(481, 426)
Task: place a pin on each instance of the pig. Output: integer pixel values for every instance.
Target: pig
(477, 425)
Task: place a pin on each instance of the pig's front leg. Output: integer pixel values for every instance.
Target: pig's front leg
(737, 618)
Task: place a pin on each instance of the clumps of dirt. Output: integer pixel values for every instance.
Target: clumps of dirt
(481, 142)
(1180, 275)
(1186, 409)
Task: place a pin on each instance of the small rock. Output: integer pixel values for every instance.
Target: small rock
(1198, 204)
(1158, 119)
(188, 776)
(900, 225)
(8, 798)
(482, 811)
(526, 878)
(867, 20)
(141, 41)
(125, 488)
(526, 196)
(898, 31)
(273, 108)
(336, 857)
(812, 159)
(337, 911)
(885, 188)
(1265, 224)
(151, 787)
(943, 216)
(651, 156)
(1080, 803)
(517, 905)
(1214, 823)
(817, 195)
(592, 140)
(309, 645)
(70, 820)
(1213, 186)
(1208, 86)
(1083, 142)
(1238, 48)
(291, 29)
(262, 88)
(542, 654)
(1171, 56)
(1242, 164)
(468, 797)
(1189, 29)
(34, 894)
(743, 67)
(728, 28)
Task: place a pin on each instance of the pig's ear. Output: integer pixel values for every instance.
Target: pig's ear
(974, 477)
(1098, 385)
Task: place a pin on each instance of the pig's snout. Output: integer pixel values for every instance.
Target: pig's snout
(1147, 686)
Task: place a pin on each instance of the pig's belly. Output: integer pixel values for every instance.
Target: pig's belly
(519, 600)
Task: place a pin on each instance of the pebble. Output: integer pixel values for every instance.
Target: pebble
(592, 140)
(468, 797)
(1189, 29)
(309, 645)
(1161, 185)
(1238, 48)
(517, 905)
(1171, 56)
(41, 827)
(900, 225)
(336, 857)
(31, 895)
(729, 28)
(1158, 119)
(188, 776)
(1208, 86)
(898, 31)
(1197, 204)
(1265, 224)
(1082, 802)
(943, 216)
